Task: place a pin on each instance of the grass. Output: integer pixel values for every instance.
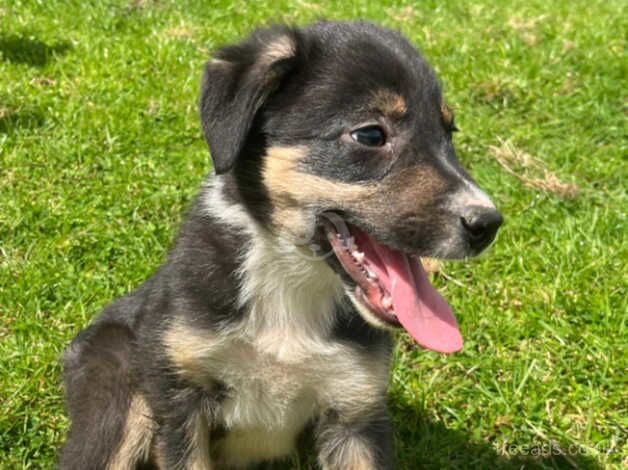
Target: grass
(100, 150)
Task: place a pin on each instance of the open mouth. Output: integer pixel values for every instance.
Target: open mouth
(394, 287)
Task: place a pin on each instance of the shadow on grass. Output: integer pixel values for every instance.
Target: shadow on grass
(424, 444)
(26, 50)
(25, 118)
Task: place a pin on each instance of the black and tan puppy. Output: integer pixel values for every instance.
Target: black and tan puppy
(334, 170)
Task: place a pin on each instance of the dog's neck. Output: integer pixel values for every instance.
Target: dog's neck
(291, 299)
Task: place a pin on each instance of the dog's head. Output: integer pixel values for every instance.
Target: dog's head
(338, 134)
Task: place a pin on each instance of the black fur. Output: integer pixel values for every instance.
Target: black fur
(235, 87)
(100, 384)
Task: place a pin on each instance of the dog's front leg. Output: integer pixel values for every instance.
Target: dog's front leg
(183, 440)
(363, 442)
(183, 444)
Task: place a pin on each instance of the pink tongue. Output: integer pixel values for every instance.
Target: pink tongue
(422, 311)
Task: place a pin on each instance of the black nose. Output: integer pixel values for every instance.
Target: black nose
(480, 224)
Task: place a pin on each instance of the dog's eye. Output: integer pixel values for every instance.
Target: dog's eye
(372, 136)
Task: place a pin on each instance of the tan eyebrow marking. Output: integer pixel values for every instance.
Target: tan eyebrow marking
(390, 103)
(447, 113)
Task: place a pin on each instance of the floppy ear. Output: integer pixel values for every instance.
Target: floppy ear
(236, 84)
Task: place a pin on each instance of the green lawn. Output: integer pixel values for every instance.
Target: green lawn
(100, 151)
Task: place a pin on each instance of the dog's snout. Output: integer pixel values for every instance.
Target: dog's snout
(480, 225)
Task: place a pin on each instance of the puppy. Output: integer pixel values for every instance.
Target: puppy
(269, 321)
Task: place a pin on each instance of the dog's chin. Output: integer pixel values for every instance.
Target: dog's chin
(389, 287)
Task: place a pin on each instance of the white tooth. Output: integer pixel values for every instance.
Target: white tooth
(359, 256)
(350, 242)
(371, 274)
(387, 302)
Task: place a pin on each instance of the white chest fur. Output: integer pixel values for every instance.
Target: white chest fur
(269, 403)
(270, 400)
(271, 395)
